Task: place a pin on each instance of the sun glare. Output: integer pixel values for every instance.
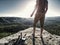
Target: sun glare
(28, 9)
(26, 12)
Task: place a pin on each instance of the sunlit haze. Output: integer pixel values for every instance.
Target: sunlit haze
(24, 8)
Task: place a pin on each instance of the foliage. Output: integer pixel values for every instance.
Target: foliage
(6, 30)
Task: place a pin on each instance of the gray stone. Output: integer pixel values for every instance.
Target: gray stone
(47, 39)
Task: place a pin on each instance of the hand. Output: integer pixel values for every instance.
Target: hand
(31, 15)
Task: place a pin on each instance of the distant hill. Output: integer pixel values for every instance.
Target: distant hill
(52, 24)
(9, 20)
(52, 20)
(29, 21)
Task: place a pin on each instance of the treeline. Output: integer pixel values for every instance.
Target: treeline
(53, 29)
(12, 28)
(9, 29)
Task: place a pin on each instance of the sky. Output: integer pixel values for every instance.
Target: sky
(24, 8)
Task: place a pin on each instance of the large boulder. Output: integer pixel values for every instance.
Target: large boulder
(46, 39)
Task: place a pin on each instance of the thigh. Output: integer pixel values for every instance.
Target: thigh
(36, 19)
(42, 21)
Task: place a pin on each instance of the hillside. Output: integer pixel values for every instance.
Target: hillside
(11, 25)
(47, 39)
(12, 20)
(27, 21)
(52, 25)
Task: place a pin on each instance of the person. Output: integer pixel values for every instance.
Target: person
(41, 8)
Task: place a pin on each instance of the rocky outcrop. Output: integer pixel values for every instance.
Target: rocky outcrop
(47, 38)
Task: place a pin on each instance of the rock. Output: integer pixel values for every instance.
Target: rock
(47, 38)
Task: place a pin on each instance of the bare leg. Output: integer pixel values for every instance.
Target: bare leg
(42, 25)
(41, 31)
(34, 25)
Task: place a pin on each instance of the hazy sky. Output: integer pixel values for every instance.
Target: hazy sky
(23, 8)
